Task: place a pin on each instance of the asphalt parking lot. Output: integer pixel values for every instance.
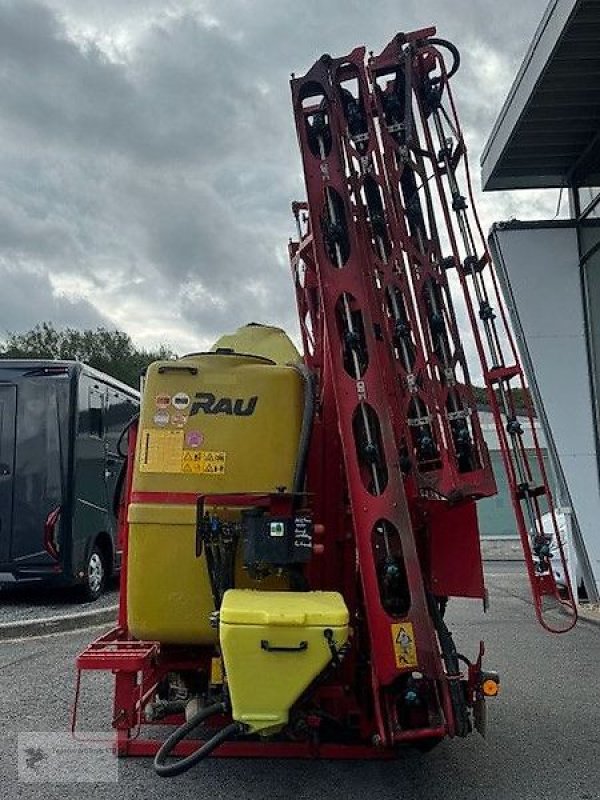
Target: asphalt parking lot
(21, 604)
(543, 730)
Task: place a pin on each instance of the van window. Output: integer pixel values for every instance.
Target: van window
(54, 455)
(96, 413)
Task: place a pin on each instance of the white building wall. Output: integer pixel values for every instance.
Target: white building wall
(539, 267)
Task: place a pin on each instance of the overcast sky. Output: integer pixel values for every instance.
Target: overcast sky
(148, 156)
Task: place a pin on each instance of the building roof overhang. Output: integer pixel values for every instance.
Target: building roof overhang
(548, 131)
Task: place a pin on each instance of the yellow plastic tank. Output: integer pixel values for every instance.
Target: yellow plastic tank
(261, 340)
(209, 423)
(274, 645)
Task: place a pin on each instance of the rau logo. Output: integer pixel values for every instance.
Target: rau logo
(209, 404)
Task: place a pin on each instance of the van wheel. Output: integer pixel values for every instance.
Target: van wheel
(95, 576)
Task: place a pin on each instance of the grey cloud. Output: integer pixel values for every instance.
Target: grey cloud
(30, 300)
(163, 177)
(54, 91)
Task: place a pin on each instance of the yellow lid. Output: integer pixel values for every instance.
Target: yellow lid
(261, 340)
(250, 607)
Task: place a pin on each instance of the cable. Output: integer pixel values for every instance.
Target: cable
(134, 419)
(559, 203)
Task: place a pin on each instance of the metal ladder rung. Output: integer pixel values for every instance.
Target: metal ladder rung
(497, 374)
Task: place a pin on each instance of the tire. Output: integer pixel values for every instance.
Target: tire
(96, 574)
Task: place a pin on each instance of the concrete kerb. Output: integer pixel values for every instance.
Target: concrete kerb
(589, 613)
(501, 548)
(45, 626)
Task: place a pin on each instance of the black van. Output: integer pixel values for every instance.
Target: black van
(60, 423)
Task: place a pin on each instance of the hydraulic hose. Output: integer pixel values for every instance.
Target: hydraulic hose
(448, 46)
(451, 660)
(131, 422)
(183, 764)
(118, 490)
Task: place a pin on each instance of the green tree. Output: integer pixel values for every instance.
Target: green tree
(112, 352)
(521, 397)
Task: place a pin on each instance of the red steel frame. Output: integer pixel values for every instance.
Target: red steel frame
(140, 666)
(366, 391)
(500, 361)
(390, 505)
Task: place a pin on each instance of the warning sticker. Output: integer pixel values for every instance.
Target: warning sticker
(194, 439)
(181, 400)
(405, 648)
(203, 462)
(161, 418)
(161, 450)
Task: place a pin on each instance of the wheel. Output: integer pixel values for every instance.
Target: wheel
(95, 576)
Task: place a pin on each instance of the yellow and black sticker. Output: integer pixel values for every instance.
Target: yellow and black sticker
(405, 648)
(161, 450)
(203, 462)
(216, 671)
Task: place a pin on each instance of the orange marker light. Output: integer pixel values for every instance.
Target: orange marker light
(490, 687)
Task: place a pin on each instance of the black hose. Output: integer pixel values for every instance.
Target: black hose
(451, 660)
(183, 764)
(212, 567)
(454, 51)
(133, 419)
(116, 498)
